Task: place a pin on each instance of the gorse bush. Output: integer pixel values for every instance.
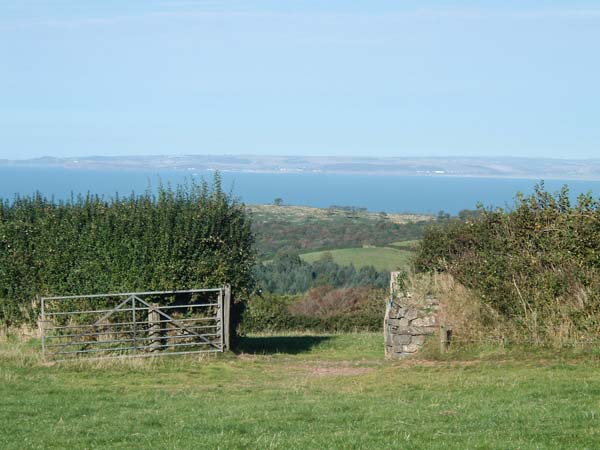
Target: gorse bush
(537, 265)
(194, 235)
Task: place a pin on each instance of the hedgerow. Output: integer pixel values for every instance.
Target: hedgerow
(537, 265)
(194, 235)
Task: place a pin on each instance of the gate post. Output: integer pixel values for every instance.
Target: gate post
(226, 318)
(154, 327)
(445, 338)
(43, 328)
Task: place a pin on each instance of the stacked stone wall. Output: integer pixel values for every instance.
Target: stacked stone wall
(408, 322)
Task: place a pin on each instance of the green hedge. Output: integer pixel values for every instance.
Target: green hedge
(192, 236)
(538, 264)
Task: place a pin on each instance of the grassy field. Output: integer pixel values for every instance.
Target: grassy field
(382, 258)
(411, 245)
(299, 392)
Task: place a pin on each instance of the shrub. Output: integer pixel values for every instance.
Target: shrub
(537, 265)
(320, 309)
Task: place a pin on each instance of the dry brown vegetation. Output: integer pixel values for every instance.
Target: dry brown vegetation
(294, 213)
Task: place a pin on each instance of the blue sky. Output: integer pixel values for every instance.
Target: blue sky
(388, 78)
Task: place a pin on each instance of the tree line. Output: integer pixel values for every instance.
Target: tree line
(287, 273)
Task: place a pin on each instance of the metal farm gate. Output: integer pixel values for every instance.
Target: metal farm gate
(135, 324)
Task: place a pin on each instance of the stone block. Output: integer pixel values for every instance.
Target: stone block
(388, 339)
(418, 340)
(401, 339)
(410, 348)
(414, 330)
(411, 314)
(400, 312)
(394, 322)
(424, 321)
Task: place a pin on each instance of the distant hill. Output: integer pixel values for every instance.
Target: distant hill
(511, 167)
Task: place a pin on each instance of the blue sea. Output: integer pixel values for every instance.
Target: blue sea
(418, 194)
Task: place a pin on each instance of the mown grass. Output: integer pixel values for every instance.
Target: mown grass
(382, 258)
(304, 391)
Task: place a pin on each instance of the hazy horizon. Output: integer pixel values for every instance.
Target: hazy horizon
(308, 156)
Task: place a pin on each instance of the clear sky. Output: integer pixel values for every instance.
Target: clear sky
(388, 78)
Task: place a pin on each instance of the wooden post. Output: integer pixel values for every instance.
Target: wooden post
(154, 328)
(445, 338)
(394, 284)
(133, 318)
(226, 327)
(42, 328)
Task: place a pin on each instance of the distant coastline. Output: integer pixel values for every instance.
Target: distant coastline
(463, 167)
(422, 194)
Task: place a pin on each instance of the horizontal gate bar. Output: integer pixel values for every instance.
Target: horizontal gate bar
(137, 347)
(141, 308)
(138, 355)
(100, 333)
(125, 323)
(126, 294)
(183, 306)
(115, 341)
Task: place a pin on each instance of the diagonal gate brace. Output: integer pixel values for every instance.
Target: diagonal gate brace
(178, 324)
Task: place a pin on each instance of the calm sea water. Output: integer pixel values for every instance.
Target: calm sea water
(423, 194)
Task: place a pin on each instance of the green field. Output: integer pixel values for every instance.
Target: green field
(382, 258)
(411, 245)
(299, 392)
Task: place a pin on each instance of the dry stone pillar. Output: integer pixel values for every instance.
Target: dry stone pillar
(407, 322)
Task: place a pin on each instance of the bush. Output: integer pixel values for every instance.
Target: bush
(537, 265)
(321, 309)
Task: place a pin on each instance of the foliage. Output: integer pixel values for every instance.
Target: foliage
(538, 264)
(194, 235)
(289, 274)
(336, 228)
(320, 309)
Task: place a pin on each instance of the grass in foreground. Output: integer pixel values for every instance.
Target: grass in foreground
(296, 391)
(382, 258)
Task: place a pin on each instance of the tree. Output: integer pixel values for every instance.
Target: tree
(278, 201)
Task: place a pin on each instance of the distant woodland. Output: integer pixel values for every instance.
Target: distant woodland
(331, 231)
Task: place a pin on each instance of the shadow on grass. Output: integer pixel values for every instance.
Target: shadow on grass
(279, 344)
